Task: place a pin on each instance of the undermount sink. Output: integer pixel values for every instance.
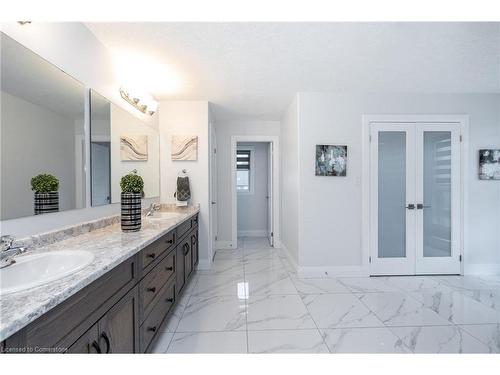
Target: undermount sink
(163, 216)
(35, 270)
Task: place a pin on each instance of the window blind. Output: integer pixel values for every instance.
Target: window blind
(243, 160)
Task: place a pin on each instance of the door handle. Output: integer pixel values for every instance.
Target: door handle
(421, 206)
(411, 206)
(214, 202)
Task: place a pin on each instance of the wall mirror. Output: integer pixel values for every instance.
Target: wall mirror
(42, 132)
(120, 143)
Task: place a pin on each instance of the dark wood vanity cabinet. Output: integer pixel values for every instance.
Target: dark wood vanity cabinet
(116, 332)
(121, 312)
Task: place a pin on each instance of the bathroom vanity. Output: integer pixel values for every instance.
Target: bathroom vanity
(116, 304)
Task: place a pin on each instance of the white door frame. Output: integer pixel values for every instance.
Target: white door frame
(212, 195)
(235, 139)
(463, 120)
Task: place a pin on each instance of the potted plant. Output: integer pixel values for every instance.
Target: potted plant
(46, 188)
(132, 186)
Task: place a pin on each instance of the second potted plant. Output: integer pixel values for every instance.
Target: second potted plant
(46, 197)
(132, 186)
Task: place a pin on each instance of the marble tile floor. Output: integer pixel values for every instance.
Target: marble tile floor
(252, 301)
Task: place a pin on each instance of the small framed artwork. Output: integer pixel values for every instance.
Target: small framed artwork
(489, 164)
(184, 147)
(134, 147)
(331, 160)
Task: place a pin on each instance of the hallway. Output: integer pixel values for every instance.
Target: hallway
(252, 301)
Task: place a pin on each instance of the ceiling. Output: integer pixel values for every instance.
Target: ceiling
(251, 71)
(28, 76)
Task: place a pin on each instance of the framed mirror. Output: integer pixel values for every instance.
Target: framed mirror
(42, 135)
(120, 143)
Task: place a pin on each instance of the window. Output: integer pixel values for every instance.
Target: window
(244, 159)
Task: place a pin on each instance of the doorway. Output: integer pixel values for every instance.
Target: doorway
(415, 198)
(255, 184)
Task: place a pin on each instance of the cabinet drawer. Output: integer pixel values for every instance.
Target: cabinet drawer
(152, 323)
(185, 227)
(157, 248)
(151, 285)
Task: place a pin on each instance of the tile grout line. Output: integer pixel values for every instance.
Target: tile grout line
(182, 315)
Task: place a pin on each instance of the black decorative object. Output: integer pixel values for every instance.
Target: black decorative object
(46, 188)
(132, 189)
(46, 202)
(131, 211)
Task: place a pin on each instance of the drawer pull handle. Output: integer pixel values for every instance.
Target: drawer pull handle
(152, 290)
(108, 343)
(186, 249)
(152, 255)
(152, 329)
(171, 241)
(96, 347)
(169, 268)
(169, 300)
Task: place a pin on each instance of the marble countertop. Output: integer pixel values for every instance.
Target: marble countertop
(110, 247)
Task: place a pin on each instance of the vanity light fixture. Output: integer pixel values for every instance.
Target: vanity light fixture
(146, 106)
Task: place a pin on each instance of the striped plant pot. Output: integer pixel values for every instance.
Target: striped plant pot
(131, 212)
(46, 202)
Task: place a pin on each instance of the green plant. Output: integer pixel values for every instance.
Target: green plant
(44, 183)
(132, 183)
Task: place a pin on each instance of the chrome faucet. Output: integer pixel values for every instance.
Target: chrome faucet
(152, 208)
(8, 251)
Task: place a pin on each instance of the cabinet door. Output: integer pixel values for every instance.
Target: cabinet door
(194, 248)
(88, 343)
(188, 258)
(118, 328)
(179, 269)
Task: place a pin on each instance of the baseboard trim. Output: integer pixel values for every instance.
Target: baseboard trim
(289, 256)
(225, 245)
(482, 269)
(204, 264)
(252, 233)
(341, 271)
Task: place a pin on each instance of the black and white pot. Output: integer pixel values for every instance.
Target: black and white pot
(46, 202)
(131, 212)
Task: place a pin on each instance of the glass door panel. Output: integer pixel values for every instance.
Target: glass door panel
(437, 194)
(391, 194)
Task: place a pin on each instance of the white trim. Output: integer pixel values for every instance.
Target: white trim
(276, 183)
(365, 166)
(288, 255)
(204, 264)
(483, 269)
(252, 233)
(225, 245)
(340, 271)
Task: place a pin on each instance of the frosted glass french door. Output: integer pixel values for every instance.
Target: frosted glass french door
(414, 198)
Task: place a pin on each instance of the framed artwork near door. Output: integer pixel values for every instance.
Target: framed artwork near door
(489, 164)
(331, 160)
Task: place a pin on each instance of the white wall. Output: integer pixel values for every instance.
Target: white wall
(290, 179)
(188, 118)
(225, 130)
(253, 207)
(34, 140)
(122, 123)
(330, 210)
(74, 49)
